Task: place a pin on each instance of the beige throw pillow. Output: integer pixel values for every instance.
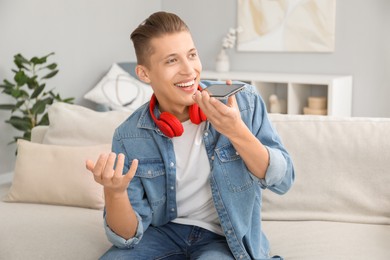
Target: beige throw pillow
(51, 174)
(75, 125)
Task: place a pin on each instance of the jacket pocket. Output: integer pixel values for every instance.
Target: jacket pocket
(153, 178)
(233, 168)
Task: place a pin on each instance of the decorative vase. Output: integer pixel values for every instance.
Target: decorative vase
(222, 62)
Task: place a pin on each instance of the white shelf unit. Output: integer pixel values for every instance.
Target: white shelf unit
(296, 88)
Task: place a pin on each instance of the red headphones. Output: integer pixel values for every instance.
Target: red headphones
(169, 124)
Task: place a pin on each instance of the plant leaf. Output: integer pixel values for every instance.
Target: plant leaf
(20, 78)
(50, 75)
(38, 61)
(37, 91)
(18, 105)
(16, 93)
(14, 141)
(7, 106)
(8, 91)
(67, 100)
(51, 66)
(32, 82)
(22, 124)
(9, 84)
(44, 120)
(40, 106)
(27, 135)
(19, 61)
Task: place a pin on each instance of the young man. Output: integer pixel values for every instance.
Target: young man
(185, 178)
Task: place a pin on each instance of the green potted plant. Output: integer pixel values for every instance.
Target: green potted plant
(28, 89)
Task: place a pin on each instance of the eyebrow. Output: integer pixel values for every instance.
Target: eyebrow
(175, 54)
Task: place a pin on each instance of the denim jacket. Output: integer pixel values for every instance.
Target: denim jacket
(236, 192)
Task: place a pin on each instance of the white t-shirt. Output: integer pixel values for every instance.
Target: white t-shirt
(193, 193)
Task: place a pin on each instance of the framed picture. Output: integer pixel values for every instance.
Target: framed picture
(286, 25)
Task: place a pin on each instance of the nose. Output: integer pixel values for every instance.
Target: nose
(187, 67)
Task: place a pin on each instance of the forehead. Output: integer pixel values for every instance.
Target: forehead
(172, 44)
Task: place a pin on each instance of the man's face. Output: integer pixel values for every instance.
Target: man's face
(174, 71)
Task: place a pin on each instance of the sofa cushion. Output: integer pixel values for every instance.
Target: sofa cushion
(325, 240)
(53, 174)
(75, 125)
(38, 231)
(342, 170)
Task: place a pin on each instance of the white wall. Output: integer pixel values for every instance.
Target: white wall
(362, 47)
(86, 35)
(89, 35)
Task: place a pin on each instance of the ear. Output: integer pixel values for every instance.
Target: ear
(142, 73)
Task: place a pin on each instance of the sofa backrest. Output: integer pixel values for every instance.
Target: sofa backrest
(342, 168)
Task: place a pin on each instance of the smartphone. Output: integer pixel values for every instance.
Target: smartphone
(223, 91)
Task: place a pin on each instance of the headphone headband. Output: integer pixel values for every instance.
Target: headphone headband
(169, 125)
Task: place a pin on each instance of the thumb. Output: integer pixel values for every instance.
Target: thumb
(133, 168)
(232, 102)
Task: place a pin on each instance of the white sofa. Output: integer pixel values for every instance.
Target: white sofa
(338, 208)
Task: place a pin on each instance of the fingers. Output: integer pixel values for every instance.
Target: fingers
(232, 101)
(104, 171)
(100, 163)
(119, 168)
(203, 100)
(90, 165)
(215, 106)
(133, 168)
(108, 169)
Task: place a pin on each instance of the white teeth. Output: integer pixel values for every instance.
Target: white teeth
(187, 84)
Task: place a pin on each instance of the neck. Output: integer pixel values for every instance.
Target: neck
(181, 114)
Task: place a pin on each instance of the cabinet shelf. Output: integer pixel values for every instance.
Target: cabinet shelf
(295, 89)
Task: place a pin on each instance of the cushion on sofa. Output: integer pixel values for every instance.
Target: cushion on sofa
(328, 240)
(41, 232)
(53, 174)
(342, 170)
(118, 90)
(74, 125)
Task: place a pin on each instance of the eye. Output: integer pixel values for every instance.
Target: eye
(193, 55)
(171, 60)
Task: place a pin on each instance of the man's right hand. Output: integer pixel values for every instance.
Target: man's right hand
(112, 178)
(120, 215)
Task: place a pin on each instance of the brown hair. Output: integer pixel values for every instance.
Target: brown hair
(156, 25)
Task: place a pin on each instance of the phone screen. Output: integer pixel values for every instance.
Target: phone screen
(223, 90)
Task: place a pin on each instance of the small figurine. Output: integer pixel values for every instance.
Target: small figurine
(277, 105)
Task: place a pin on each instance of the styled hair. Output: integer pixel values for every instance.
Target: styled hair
(156, 25)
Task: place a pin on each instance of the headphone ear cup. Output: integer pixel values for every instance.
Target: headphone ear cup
(170, 125)
(196, 114)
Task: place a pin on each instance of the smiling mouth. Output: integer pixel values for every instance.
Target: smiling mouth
(186, 84)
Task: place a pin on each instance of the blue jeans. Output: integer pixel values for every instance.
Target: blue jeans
(175, 241)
